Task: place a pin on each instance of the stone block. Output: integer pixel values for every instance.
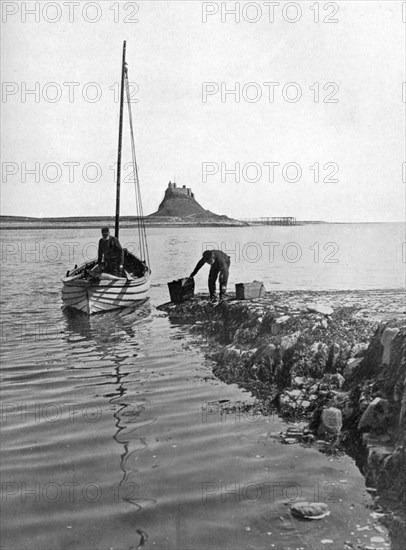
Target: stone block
(375, 415)
(282, 319)
(358, 350)
(288, 342)
(331, 421)
(231, 354)
(324, 309)
(294, 394)
(389, 334)
(351, 366)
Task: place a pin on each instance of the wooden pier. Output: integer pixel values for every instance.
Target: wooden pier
(288, 220)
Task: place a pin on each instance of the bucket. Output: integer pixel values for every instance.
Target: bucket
(249, 291)
(181, 290)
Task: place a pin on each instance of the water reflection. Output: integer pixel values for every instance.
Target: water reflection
(106, 329)
(117, 337)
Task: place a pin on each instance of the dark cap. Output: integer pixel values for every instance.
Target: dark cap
(105, 230)
(207, 254)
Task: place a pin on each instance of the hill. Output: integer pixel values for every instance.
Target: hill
(179, 205)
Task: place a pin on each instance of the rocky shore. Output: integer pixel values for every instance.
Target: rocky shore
(332, 362)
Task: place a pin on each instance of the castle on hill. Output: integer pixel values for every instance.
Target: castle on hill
(179, 190)
(179, 203)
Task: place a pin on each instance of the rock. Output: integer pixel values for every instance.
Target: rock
(320, 308)
(389, 334)
(347, 410)
(359, 349)
(282, 319)
(298, 381)
(319, 356)
(310, 510)
(318, 347)
(230, 354)
(337, 380)
(378, 457)
(345, 351)
(288, 342)
(372, 440)
(290, 440)
(333, 356)
(375, 415)
(362, 403)
(294, 394)
(298, 434)
(323, 446)
(402, 413)
(331, 421)
(269, 351)
(351, 366)
(339, 398)
(284, 399)
(309, 438)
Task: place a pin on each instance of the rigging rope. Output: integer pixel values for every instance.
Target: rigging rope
(142, 234)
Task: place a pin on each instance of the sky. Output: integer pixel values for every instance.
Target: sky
(315, 127)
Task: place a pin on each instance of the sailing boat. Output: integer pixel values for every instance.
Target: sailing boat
(86, 288)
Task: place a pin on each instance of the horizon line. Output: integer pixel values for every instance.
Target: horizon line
(66, 218)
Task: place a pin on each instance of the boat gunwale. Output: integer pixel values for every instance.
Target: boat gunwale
(117, 282)
(75, 277)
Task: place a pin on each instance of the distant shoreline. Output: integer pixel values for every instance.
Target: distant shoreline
(128, 222)
(19, 222)
(122, 225)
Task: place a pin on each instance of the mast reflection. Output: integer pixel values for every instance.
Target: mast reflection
(115, 336)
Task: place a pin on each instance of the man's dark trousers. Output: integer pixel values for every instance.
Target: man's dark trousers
(223, 278)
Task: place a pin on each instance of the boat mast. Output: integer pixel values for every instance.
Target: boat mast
(120, 139)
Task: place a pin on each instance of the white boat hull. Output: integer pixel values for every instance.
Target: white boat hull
(108, 293)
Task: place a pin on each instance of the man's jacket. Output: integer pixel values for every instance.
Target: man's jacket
(221, 262)
(110, 250)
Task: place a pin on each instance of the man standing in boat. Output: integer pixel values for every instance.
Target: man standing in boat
(220, 264)
(110, 257)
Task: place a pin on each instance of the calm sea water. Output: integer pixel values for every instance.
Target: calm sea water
(111, 425)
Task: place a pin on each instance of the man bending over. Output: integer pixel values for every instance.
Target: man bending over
(220, 264)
